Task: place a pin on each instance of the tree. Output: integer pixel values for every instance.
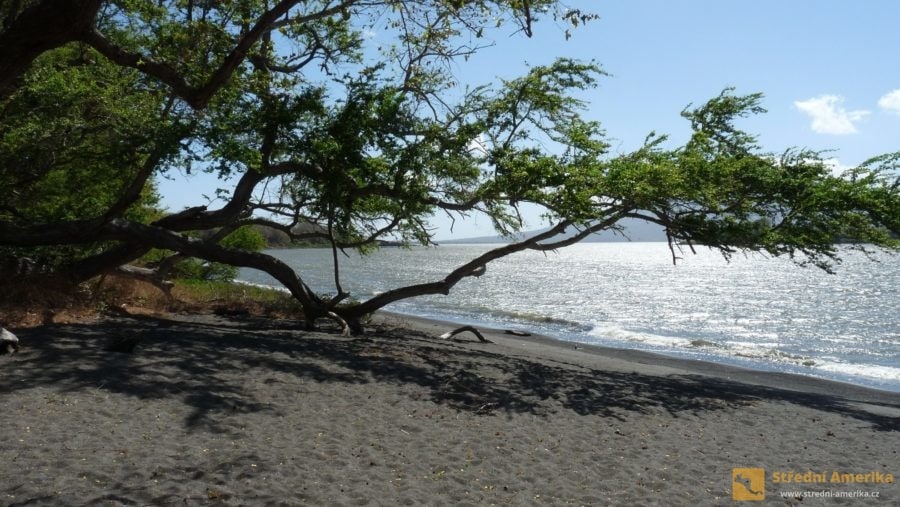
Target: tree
(359, 143)
(75, 135)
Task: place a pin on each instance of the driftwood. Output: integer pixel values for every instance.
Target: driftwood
(9, 343)
(463, 329)
(516, 333)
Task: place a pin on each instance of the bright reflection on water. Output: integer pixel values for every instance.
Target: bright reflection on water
(757, 312)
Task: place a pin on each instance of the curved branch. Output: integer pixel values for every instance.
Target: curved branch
(443, 287)
(89, 230)
(196, 218)
(594, 228)
(132, 192)
(372, 237)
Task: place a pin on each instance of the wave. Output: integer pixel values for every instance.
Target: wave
(766, 353)
(279, 288)
(493, 315)
(884, 373)
(607, 331)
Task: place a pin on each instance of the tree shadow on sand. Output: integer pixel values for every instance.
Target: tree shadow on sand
(186, 360)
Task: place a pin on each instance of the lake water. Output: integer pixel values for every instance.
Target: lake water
(756, 312)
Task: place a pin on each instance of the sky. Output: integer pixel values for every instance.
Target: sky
(829, 70)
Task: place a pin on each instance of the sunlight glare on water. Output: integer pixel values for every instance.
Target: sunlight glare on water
(757, 312)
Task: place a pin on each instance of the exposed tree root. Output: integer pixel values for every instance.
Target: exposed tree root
(345, 328)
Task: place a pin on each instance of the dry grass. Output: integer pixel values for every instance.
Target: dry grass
(48, 300)
(224, 297)
(41, 300)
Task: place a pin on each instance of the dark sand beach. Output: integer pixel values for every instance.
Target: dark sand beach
(210, 410)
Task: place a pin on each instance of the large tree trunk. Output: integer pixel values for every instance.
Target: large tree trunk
(134, 233)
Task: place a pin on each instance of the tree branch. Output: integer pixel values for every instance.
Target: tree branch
(198, 97)
(123, 230)
(443, 287)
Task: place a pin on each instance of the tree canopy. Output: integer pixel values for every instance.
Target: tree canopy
(349, 139)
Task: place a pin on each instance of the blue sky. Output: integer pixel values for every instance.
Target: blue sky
(827, 68)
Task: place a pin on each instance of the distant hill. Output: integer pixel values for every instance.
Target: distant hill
(276, 238)
(635, 230)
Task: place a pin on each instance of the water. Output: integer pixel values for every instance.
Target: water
(756, 312)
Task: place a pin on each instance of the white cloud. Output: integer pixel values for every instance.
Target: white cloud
(477, 146)
(829, 116)
(837, 168)
(890, 102)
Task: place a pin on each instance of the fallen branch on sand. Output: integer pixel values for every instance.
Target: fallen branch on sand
(516, 333)
(463, 329)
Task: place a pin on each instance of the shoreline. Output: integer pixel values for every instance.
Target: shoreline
(735, 362)
(545, 343)
(722, 313)
(703, 364)
(210, 409)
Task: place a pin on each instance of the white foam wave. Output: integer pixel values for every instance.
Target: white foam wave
(614, 332)
(759, 351)
(279, 288)
(885, 373)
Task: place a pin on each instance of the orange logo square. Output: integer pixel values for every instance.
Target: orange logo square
(748, 484)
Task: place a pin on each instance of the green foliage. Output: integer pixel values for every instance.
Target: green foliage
(721, 190)
(196, 269)
(244, 238)
(73, 137)
(357, 139)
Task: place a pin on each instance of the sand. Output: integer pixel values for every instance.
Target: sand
(244, 411)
